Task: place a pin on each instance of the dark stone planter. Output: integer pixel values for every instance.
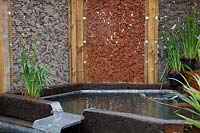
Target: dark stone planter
(58, 89)
(177, 76)
(103, 121)
(189, 63)
(24, 108)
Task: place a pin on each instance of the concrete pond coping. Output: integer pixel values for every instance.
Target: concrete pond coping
(29, 114)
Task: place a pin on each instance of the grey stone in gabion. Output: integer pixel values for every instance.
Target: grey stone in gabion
(169, 11)
(49, 19)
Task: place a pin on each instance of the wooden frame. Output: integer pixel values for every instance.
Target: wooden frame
(78, 69)
(10, 46)
(1, 51)
(152, 42)
(76, 44)
(76, 32)
(4, 45)
(6, 42)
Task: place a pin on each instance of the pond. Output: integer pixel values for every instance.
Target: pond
(120, 102)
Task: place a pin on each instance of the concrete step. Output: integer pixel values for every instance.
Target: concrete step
(57, 122)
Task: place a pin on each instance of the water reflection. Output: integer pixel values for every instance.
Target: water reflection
(130, 103)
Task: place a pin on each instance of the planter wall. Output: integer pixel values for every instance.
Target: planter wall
(190, 78)
(102, 121)
(24, 108)
(58, 89)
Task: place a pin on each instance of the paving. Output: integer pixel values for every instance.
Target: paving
(57, 122)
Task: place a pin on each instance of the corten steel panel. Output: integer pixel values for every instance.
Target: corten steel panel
(115, 40)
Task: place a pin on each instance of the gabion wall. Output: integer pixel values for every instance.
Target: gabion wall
(115, 40)
(169, 11)
(49, 19)
(111, 55)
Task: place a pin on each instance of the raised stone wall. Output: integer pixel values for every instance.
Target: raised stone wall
(49, 19)
(104, 121)
(169, 11)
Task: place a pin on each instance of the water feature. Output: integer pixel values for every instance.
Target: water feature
(124, 101)
(58, 121)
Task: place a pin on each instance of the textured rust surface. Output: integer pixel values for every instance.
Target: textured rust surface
(115, 40)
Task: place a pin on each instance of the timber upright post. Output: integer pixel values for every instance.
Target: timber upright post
(5, 40)
(76, 41)
(152, 49)
(1, 51)
(73, 46)
(79, 41)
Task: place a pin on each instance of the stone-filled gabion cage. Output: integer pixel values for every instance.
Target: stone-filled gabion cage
(114, 34)
(169, 12)
(49, 19)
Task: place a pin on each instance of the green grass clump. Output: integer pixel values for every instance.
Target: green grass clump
(35, 75)
(172, 46)
(189, 34)
(192, 97)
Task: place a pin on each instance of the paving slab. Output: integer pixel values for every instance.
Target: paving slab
(57, 122)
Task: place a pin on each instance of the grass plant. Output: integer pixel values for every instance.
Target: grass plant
(192, 97)
(188, 34)
(35, 75)
(172, 46)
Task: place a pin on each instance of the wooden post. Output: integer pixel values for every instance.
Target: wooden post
(10, 55)
(1, 51)
(76, 45)
(4, 47)
(73, 42)
(6, 40)
(156, 41)
(79, 41)
(151, 41)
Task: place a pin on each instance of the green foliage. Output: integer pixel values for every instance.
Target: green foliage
(199, 48)
(184, 39)
(192, 97)
(172, 59)
(188, 34)
(35, 75)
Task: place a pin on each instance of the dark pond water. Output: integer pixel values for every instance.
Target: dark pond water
(129, 103)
